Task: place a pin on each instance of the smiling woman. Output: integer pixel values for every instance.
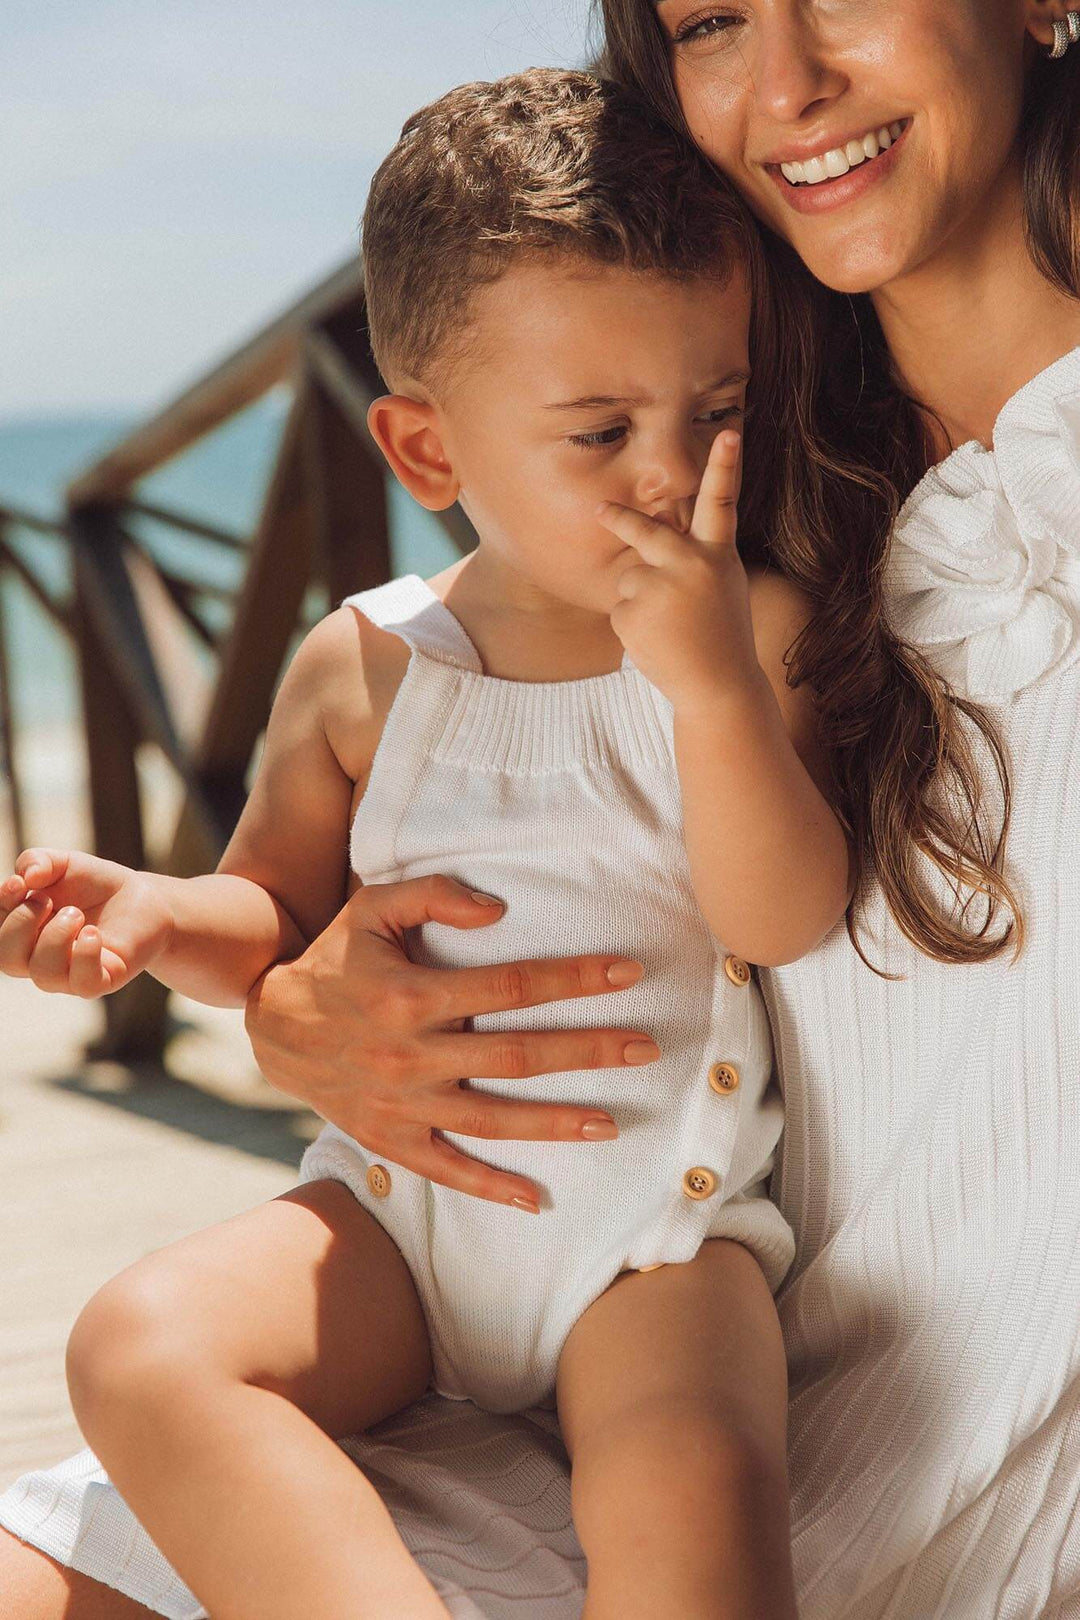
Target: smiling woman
(930, 1164)
(922, 163)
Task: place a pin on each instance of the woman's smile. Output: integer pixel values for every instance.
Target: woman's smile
(838, 174)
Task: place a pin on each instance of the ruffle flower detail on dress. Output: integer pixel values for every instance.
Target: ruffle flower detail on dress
(983, 574)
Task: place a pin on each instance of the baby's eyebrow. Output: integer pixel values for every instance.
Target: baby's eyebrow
(593, 402)
(590, 402)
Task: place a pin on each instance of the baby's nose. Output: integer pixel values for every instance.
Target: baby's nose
(675, 513)
(668, 481)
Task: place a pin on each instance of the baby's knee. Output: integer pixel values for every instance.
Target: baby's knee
(128, 1347)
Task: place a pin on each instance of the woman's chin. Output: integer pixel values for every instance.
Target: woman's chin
(853, 263)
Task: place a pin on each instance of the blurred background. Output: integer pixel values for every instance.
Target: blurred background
(185, 486)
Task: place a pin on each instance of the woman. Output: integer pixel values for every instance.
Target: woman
(922, 158)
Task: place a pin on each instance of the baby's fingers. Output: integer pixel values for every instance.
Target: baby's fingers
(40, 868)
(12, 893)
(94, 969)
(19, 931)
(714, 520)
(50, 959)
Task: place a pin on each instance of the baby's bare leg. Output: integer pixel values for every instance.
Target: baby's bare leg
(35, 1587)
(210, 1379)
(672, 1394)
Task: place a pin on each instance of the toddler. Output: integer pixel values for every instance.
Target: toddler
(587, 718)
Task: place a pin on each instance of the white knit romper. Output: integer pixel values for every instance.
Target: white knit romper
(562, 799)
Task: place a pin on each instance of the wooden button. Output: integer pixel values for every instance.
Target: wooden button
(699, 1182)
(378, 1179)
(736, 970)
(724, 1078)
(656, 1267)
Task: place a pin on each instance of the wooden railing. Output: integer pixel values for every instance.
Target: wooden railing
(57, 607)
(140, 633)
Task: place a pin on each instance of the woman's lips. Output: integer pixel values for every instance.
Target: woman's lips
(830, 194)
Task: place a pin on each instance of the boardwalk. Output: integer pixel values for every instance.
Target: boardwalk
(97, 1167)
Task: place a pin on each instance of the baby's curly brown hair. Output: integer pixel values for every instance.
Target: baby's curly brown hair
(547, 161)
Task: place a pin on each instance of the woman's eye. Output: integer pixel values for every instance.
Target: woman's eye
(710, 26)
(723, 413)
(596, 441)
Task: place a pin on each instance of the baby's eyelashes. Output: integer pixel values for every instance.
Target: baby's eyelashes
(598, 440)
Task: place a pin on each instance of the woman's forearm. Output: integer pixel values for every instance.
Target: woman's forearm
(226, 931)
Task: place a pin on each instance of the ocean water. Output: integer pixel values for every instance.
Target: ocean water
(220, 480)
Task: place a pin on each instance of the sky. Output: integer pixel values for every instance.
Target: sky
(173, 173)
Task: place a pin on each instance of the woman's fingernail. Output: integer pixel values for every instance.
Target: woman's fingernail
(599, 1130)
(485, 899)
(624, 973)
(526, 1203)
(67, 915)
(640, 1052)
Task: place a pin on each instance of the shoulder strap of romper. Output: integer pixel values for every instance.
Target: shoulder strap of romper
(409, 607)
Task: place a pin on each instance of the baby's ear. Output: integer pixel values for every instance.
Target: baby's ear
(407, 432)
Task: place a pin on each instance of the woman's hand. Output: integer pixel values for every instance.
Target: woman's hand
(378, 1045)
(80, 925)
(684, 614)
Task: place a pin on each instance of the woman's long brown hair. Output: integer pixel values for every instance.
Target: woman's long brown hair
(921, 774)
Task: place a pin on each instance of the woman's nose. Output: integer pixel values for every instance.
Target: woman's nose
(794, 73)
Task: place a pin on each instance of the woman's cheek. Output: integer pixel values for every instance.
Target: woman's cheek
(711, 109)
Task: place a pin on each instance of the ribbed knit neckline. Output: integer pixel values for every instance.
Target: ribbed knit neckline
(531, 728)
(488, 723)
(983, 572)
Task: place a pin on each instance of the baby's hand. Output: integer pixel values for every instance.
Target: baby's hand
(75, 923)
(684, 608)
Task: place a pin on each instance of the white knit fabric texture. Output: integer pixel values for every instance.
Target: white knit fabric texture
(931, 1158)
(930, 1167)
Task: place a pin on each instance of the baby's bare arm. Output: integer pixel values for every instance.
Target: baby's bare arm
(672, 1395)
(769, 859)
(292, 838)
(75, 922)
(283, 875)
(84, 926)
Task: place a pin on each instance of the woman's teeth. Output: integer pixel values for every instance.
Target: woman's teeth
(831, 165)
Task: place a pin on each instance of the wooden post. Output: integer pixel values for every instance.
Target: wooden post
(8, 761)
(348, 497)
(267, 611)
(113, 587)
(135, 1017)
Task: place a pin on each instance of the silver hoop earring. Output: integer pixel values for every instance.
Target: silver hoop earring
(1066, 33)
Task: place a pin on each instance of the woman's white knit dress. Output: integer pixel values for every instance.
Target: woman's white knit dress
(930, 1167)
